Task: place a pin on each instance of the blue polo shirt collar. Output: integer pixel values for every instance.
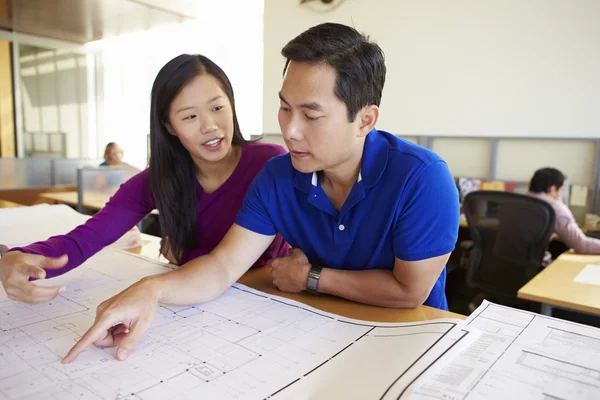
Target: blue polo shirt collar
(374, 161)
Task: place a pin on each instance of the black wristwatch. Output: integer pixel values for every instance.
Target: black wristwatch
(312, 284)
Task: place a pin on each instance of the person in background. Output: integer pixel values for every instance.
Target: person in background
(200, 170)
(547, 184)
(113, 155)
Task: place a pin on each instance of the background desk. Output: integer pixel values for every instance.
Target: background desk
(260, 279)
(554, 286)
(94, 201)
(9, 204)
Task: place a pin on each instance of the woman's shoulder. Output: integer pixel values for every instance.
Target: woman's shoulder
(264, 151)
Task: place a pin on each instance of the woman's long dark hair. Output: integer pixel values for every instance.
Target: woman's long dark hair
(172, 171)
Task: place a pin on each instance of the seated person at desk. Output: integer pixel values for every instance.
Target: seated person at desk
(547, 184)
(113, 155)
(200, 170)
(371, 217)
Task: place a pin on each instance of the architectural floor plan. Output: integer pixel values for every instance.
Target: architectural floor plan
(521, 355)
(243, 345)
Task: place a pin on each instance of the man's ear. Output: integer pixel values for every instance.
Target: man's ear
(367, 119)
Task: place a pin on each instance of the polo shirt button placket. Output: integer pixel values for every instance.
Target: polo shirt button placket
(342, 232)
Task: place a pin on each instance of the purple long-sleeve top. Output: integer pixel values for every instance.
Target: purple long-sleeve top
(215, 214)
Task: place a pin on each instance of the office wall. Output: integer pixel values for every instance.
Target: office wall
(7, 122)
(466, 67)
(127, 66)
(54, 94)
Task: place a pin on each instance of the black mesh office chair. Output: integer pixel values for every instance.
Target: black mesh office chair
(510, 235)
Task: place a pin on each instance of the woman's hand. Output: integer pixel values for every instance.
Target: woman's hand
(15, 270)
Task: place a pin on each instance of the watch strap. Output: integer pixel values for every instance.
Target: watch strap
(312, 283)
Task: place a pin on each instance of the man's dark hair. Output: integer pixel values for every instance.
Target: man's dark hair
(544, 178)
(359, 63)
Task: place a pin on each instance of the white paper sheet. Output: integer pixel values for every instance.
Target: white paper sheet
(579, 196)
(25, 225)
(521, 355)
(243, 345)
(590, 275)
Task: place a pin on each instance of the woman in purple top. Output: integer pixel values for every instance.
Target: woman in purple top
(200, 170)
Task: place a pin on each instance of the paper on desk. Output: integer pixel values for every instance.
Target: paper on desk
(579, 196)
(520, 355)
(245, 345)
(589, 275)
(25, 225)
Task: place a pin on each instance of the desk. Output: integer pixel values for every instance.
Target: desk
(9, 204)
(554, 286)
(93, 200)
(260, 279)
(30, 196)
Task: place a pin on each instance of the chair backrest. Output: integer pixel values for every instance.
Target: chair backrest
(98, 183)
(510, 235)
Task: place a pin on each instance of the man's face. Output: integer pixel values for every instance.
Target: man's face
(313, 120)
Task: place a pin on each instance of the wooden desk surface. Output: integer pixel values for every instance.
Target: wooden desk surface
(260, 279)
(9, 204)
(92, 200)
(555, 286)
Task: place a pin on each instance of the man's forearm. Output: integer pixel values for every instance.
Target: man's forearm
(376, 287)
(197, 281)
(571, 235)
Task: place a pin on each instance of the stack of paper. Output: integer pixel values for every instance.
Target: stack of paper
(25, 225)
(521, 355)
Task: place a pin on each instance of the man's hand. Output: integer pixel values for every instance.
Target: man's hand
(121, 320)
(15, 270)
(290, 273)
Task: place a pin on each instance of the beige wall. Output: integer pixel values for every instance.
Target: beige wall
(466, 67)
(506, 68)
(54, 96)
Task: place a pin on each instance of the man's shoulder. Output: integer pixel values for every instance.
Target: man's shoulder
(560, 208)
(407, 154)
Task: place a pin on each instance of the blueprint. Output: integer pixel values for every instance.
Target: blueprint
(243, 345)
(520, 355)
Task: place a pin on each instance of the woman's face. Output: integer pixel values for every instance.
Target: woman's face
(201, 116)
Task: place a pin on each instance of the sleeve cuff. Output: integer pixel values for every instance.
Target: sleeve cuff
(255, 227)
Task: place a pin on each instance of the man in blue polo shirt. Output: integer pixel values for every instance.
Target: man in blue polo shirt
(371, 217)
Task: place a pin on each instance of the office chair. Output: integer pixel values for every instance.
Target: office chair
(510, 235)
